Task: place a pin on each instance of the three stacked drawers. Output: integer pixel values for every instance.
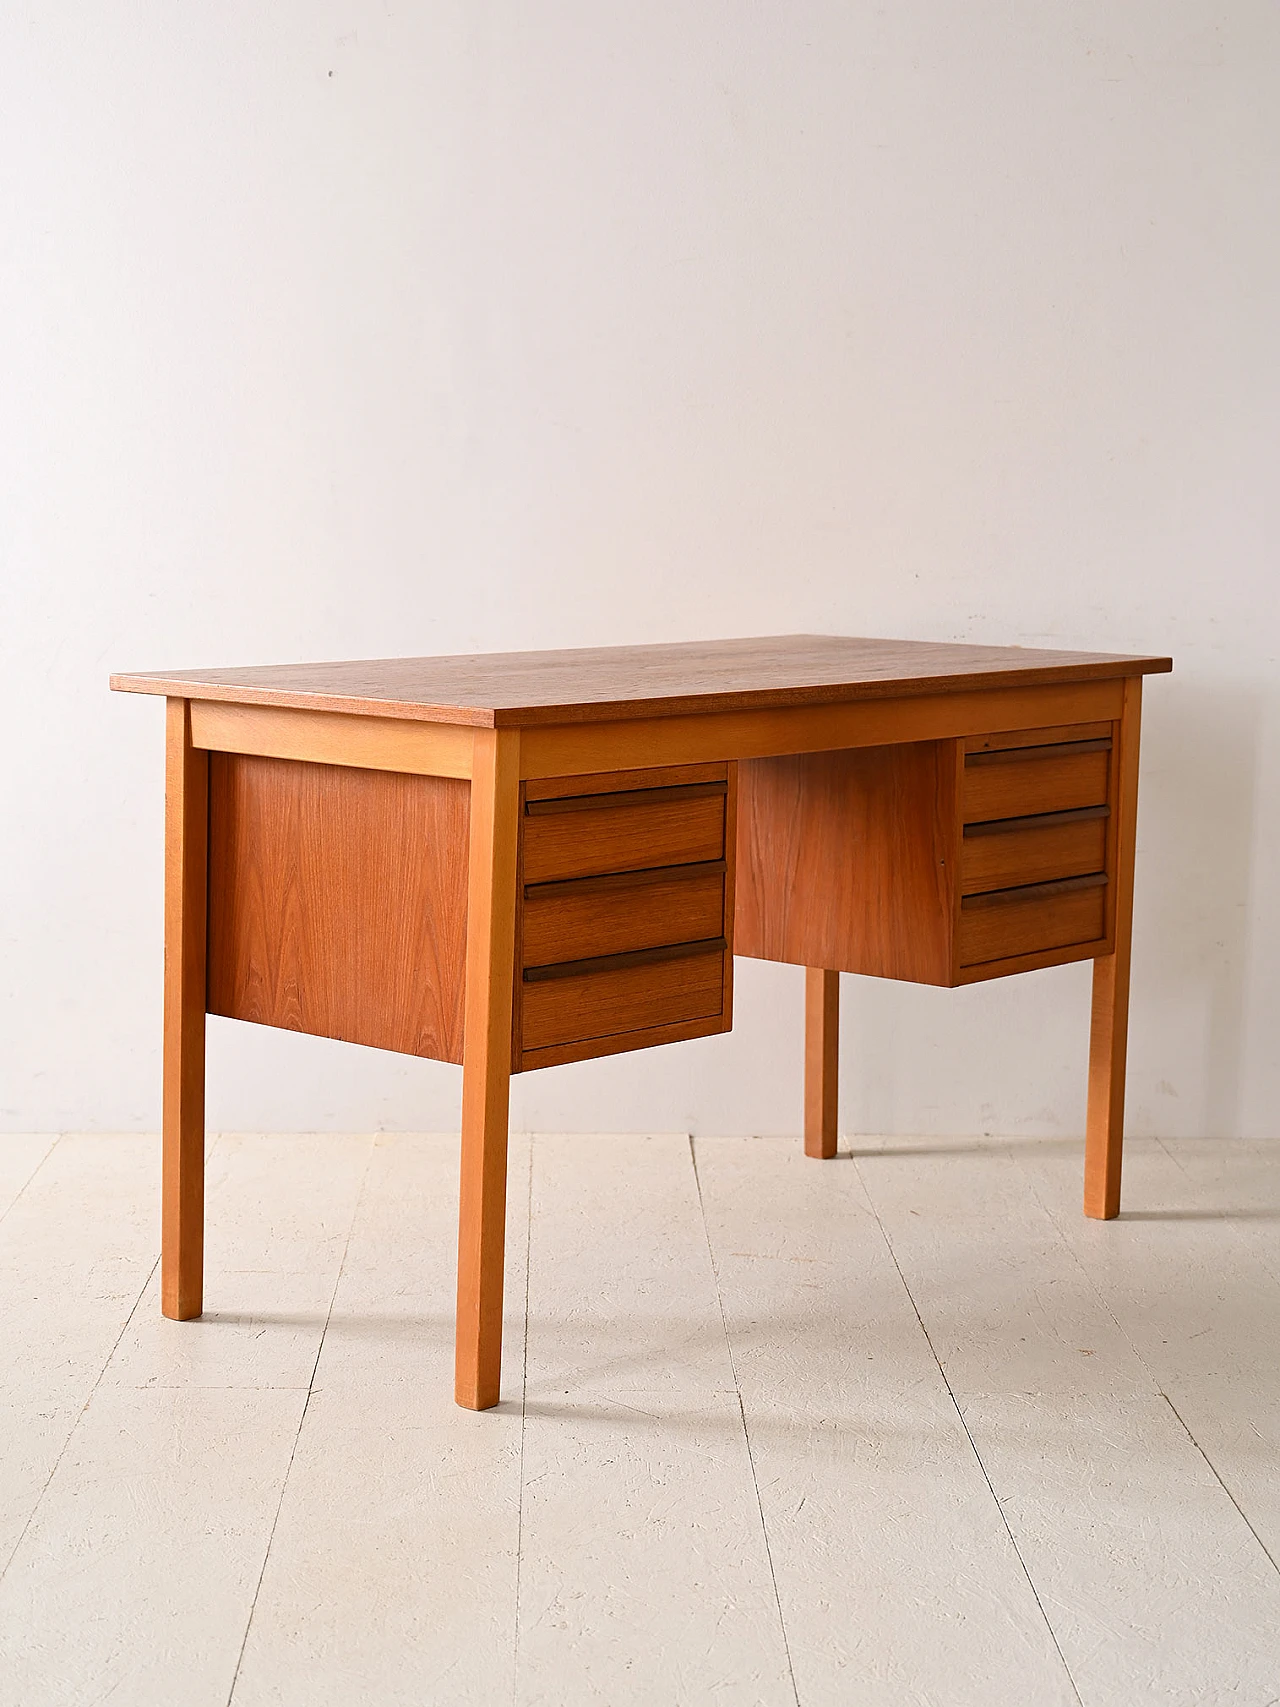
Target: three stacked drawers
(626, 905)
(1035, 806)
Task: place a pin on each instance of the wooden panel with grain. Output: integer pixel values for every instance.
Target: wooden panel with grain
(1014, 851)
(622, 911)
(587, 1004)
(338, 902)
(1025, 921)
(588, 835)
(1026, 780)
(846, 860)
(984, 971)
(576, 748)
(625, 1042)
(333, 738)
(600, 684)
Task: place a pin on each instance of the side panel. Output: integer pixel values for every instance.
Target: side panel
(338, 901)
(846, 860)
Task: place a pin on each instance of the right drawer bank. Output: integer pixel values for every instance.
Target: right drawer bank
(1035, 817)
(956, 860)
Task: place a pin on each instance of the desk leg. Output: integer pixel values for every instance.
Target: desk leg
(186, 844)
(486, 1069)
(1109, 1026)
(821, 1060)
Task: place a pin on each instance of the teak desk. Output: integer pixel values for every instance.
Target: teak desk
(523, 859)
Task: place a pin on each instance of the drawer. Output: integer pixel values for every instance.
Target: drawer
(1013, 851)
(1031, 920)
(1038, 737)
(615, 914)
(1024, 780)
(575, 1004)
(587, 834)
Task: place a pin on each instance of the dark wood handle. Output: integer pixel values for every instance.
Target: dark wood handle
(1034, 891)
(617, 962)
(1037, 821)
(608, 881)
(1059, 750)
(626, 797)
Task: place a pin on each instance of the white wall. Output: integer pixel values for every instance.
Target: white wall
(354, 329)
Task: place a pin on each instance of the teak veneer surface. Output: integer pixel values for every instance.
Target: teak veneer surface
(630, 836)
(684, 984)
(324, 916)
(597, 684)
(1033, 850)
(1045, 779)
(611, 915)
(843, 860)
(1043, 916)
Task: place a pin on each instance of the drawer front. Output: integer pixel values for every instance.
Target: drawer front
(1032, 850)
(1026, 780)
(1055, 737)
(616, 914)
(1046, 916)
(587, 835)
(601, 1003)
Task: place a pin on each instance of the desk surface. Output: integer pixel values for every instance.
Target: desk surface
(594, 684)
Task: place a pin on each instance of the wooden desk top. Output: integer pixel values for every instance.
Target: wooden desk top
(608, 683)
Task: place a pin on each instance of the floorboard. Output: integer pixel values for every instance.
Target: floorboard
(76, 1247)
(21, 1155)
(135, 1576)
(1152, 1598)
(394, 1558)
(898, 1580)
(644, 1573)
(898, 1428)
(1190, 1275)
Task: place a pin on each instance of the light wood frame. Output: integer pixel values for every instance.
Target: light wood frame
(1109, 1019)
(186, 846)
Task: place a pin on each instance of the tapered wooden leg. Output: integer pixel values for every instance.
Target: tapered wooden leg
(185, 877)
(821, 1060)
(1109, 1025)
(486, 1069)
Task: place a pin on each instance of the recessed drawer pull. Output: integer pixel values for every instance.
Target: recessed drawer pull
(609, 881)
(619, 962)
(1015, 755)
(1034, 891)
(627, 797)
(1036, 821)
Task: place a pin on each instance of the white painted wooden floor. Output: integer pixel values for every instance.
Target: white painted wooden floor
(902, 1427)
